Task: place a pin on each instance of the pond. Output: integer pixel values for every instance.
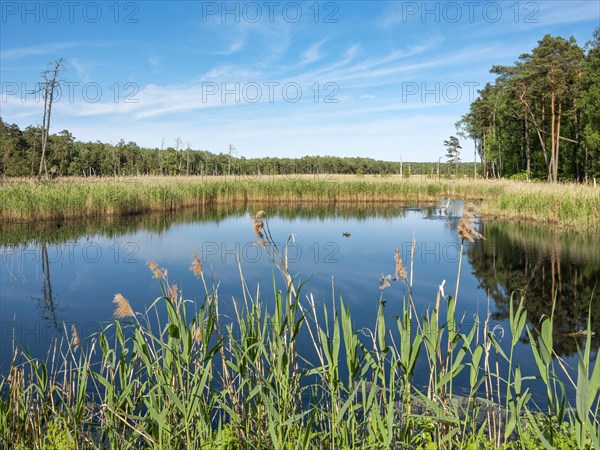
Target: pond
(57, 275)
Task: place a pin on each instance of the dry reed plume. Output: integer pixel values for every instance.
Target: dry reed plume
(400, 271)
(75, 341)
(257, 228)
(197, 268)
(158, 273)
(465, 226)
(123, 307)
(174, 292)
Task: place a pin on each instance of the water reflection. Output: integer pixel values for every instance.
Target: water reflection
(47, 304)
(42, 235)
(539, 264)
(85, 263)
(15, 234)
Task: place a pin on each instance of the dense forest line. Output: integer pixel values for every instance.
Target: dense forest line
(20, 156)
(540, 119)
(541, 116)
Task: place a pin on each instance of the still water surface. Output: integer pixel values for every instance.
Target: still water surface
(56, 275)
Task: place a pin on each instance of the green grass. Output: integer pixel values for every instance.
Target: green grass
(576, 207)
(203, 380)
(572, 206)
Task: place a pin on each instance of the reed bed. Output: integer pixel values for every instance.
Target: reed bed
(202, 380)
(572, 206)
(75, 198)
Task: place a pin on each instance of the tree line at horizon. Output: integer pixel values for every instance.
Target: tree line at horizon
(20, 157)
(541, 117)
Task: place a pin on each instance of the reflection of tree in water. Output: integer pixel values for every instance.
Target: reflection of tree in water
(44, 233)
(539, 264)
(14, 234)
(47, 304)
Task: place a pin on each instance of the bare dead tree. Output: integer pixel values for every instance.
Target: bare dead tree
(48, 87)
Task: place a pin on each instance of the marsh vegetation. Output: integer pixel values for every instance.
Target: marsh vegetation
(185, 374)
(572, 206)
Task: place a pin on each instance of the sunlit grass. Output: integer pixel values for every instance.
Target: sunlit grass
(570, 206)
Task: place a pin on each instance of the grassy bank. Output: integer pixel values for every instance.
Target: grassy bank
(202, 380)
(570, 206)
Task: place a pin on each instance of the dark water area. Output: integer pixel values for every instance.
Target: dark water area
(55, 275)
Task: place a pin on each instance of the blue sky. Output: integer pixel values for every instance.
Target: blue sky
(348, 78)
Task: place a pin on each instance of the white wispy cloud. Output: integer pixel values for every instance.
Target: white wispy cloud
(559, 12)
(233, 38)
(416, 136)
(236, 86)
(312, 54)
(235, 45)
(155, 62)
(19, 106)
(230, 72)
(83, 70)
(48, 49)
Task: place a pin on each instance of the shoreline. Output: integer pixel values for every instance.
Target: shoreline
(567, 206)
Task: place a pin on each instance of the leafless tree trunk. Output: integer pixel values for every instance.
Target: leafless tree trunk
(51, 82)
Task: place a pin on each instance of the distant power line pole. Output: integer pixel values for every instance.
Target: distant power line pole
(400, 166)
(231, 151)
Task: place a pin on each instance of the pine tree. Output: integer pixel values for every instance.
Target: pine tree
(452, 152)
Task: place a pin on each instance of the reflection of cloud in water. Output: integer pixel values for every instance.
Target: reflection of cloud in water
(356, 263)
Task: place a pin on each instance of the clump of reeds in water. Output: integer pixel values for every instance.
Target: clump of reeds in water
(199, 379)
